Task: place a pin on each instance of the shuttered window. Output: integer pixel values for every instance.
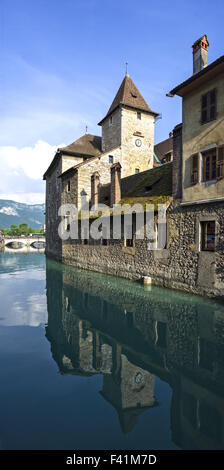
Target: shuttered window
(209, 165)
(194, 168)
(208, 106)
(220, 162)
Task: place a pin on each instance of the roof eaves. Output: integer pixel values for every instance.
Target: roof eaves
(137, 108)
(195, 77)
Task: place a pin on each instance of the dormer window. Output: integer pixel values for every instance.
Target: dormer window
(111, 120)
(139, 115)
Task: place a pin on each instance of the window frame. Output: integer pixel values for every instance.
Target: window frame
(68, 186)
(139, 115)
(209, 106)
(111, 159)
(203, 234)
(211, 153)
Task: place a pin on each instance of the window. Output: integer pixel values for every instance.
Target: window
(85, 236)
(208, 106)
(111, 120)
(167, 158)
(139, 115)
(194, 168)
(129, 234)
(136, 171)
(67, 221)
(209, 165)
(68, 186)
(208, 235)
(111, 159)
(105, 235)
(129, 242)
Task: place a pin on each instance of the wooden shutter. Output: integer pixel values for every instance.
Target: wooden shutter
(204, 108)
(220, 162)
(212, 104)
(194, 168)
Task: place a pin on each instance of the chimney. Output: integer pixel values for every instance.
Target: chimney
(115, 187)
(200, 54)
(95, 181)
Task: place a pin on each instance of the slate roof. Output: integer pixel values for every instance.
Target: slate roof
(128, 95)
(88, 144)
(85, 147)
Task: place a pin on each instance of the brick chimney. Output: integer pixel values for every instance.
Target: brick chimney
(115, 187)
(200, 54)
(95, 181)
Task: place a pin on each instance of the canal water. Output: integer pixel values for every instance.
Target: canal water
(88, 361)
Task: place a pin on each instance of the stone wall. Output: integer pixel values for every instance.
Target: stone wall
(111, 132)
(132, 155)
(102, 165)
(53, 202)
(182, 265)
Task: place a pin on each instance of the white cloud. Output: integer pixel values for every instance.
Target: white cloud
(32, 160)
(22, 171)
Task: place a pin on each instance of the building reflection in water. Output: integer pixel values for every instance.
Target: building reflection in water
(102, 325)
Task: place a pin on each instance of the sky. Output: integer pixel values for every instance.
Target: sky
(62, 63)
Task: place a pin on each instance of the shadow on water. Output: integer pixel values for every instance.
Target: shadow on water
(133, 336)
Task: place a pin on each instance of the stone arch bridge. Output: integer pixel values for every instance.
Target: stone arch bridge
(33, 243)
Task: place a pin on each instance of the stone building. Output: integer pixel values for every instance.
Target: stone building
(119, 169)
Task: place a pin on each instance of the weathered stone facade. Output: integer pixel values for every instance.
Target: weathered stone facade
(132, 129)
(128, 136)
(182, 265)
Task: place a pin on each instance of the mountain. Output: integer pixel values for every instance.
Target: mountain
(12, 212)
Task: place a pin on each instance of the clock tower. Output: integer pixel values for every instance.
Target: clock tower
(128, 129)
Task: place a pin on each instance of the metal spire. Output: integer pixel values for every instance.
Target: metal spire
(126, 63)
(86, 129)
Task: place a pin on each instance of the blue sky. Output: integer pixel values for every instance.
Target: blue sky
(63, 61)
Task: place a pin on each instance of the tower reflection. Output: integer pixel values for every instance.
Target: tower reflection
(103, 325)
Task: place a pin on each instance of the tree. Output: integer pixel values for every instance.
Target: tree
(14, 230)
(24, 229)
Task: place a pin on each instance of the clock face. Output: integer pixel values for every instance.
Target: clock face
(138, 142)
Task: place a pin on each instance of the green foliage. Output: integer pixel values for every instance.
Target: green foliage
(23, 229)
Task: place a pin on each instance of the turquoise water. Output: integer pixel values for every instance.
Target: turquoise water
(89, 361)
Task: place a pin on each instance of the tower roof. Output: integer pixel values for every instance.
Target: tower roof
(129, 95)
